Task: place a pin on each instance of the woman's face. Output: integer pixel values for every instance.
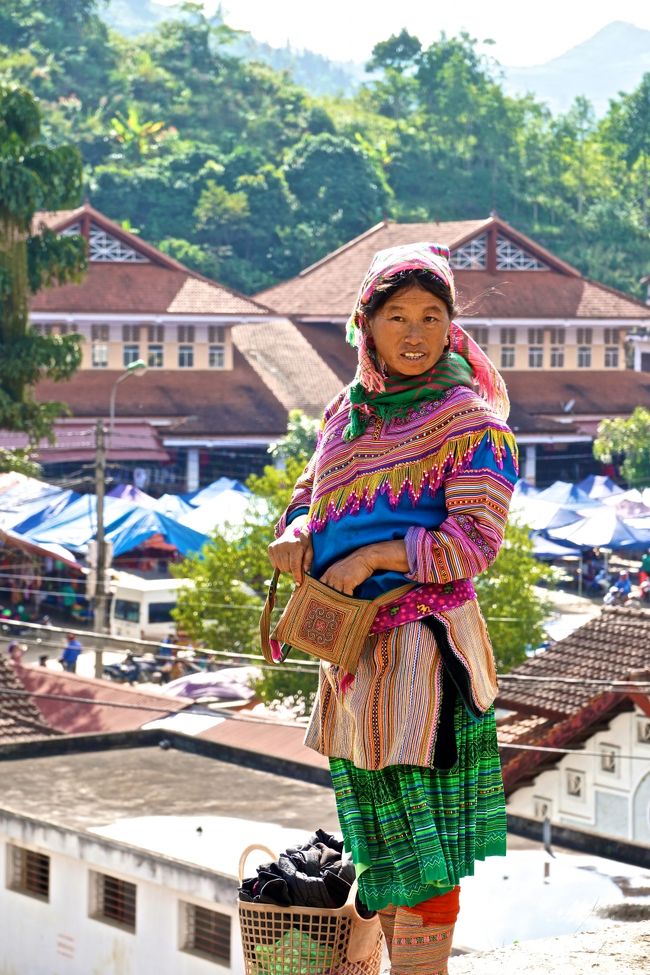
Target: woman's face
(410, 331)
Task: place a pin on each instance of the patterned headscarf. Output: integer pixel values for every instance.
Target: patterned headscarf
(422, 256)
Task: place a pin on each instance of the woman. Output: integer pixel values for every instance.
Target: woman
(410, 482)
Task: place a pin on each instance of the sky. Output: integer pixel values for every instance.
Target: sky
(347, 30)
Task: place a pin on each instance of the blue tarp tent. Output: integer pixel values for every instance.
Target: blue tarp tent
(77, 524)
(198, 498)
(128, 492)
(41, 511)
(602, 529)
(523, 488)
(539, 515)
(562, 492)
(597, 486)
(172, 505)
(545, 548)
(141, 525)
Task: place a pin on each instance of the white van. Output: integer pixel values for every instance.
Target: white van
(141, 608)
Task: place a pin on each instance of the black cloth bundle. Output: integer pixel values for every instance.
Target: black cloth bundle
(316, 874)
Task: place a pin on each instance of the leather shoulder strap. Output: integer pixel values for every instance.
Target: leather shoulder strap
(265, 619)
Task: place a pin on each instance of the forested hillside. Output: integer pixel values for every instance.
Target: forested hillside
(232, 168)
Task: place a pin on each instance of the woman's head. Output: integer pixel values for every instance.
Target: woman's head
(419, 277)
(408, 320)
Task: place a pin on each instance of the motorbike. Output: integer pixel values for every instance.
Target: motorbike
(617, 597)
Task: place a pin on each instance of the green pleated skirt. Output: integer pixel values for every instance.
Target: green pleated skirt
(414, 832)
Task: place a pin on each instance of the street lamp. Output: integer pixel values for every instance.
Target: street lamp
(136, 368)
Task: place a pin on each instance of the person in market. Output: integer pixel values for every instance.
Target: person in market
(70, 654)
(410, 481)
(644, 571)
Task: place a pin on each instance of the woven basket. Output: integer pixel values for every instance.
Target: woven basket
(306, 940)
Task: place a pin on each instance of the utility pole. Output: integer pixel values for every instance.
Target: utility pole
(100, 591)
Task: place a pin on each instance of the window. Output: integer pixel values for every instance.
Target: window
(160, 612)
(610, 759)
(185, 356)
(507, 357)
(126, 609)
(206, 932)
(105, 247)
(508, 338)
(155, 356)
(511, 257)
(611, 336)
(112, 900)
(535, 357)
(470, 256)
(217, 346)
(557, 357)
(643, 731)
(130, 333)
(584, 357)
(557, 336)
(155, 333)
(100, 355)
(575, 784)
(28, 872)
(130, 353)
(185, 334)
(99, 333)
(542, 807)
(584, 336)
(611, 357)
(480, 336)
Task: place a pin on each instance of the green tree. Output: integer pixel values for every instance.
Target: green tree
(33, 177)
(513, 610)
(230, 580)
(627, 442)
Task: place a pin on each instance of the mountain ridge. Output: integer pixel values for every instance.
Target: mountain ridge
(621, 46)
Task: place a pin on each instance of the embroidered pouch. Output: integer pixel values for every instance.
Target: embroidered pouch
(322, 622)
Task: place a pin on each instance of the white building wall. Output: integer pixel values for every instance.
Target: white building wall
(57, 937)
(612, 802)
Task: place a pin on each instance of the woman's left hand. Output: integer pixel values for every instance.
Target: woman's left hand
(348, 573)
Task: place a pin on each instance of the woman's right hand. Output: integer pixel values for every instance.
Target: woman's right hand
(293, 552)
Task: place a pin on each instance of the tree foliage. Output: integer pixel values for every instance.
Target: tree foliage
(232, 167)
(33, 176)
(513, 609)
(627, 442)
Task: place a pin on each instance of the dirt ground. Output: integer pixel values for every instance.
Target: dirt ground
(619, 949)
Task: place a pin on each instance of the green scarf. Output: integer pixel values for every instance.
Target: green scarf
(404, 394)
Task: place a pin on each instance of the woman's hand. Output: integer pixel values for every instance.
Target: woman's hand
(292, 552)
(348, 573)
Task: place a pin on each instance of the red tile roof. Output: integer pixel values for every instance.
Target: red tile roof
(605, 392)
(20, 718)
(329, 288)
(216, 402)
(76, 718)
(75, 441)
(268, 738)
(162, 286)
(611, 647)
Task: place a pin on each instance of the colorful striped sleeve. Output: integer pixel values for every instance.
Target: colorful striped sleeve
(300, 499)
(468, 540)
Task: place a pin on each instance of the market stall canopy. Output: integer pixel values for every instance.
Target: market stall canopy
(226, 513)
(565, 493)
(199, 498)
(540, 515)
(141, 525)
(602, 529)
(597, 486)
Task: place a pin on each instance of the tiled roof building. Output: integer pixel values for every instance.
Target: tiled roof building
(20, 718)
(558, 337)
(606, 789)
(222, 369)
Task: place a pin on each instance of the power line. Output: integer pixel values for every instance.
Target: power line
(251, 719)
(614, 685)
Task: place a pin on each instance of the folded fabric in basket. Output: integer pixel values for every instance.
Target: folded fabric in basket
(316, 874)
(295, 953)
